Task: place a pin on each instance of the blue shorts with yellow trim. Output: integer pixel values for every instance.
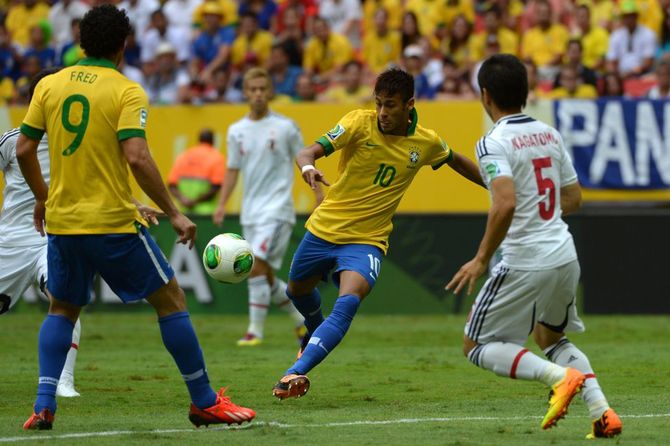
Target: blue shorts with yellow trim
(316, 256)
(132, 265)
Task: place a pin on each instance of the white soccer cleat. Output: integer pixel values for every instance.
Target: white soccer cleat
(66, 389)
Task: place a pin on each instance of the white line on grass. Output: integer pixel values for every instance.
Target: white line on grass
(29, 437)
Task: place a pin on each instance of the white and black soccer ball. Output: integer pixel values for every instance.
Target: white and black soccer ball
(228, 258)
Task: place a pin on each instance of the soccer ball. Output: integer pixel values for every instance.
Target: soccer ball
(228, 258)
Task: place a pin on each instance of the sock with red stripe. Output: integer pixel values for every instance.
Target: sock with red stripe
(259, 302)
(514, 361)
(67, 375)
(567, 354)
(279, 298)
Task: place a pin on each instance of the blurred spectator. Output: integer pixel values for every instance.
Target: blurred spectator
(179, 14)
(139, 14)
(292, 35)
(432, 13)
(229, 8)
(40, 35)
(170, 83)
(343, 17)
(570, 86)
(9, 56)
(29, 68)
(133, 53)
(305, 88)
(545, 42)
(573, 58)
(663, 50)
(595, 40)
(492, 47)
(454, 86)
(632, 46)
(305, 11)
(511, 12)
(160, 32)
(22, 17)
(284, 75)
(352, 91)
(602, 13)
(196, 176)
(326, 52)
(251, 42)
(131, 72)
(534, 90)
(413, 63)
(507, 39)
(453, 8)
(60, 17)
(265, 11)
(381, 45)
(220, 90)
(393, 9)
(458, 45)
(410, 31)
(71, 52)
(612, 85)
(6, 90)
(662, 88)
(650, 14)
(211, 49)
(560, 12)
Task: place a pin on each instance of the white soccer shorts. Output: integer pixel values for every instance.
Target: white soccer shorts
(269, 241)
(20, 268)
(512, 301)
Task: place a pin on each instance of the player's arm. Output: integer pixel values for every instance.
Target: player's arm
(466, 168)
(145, 171)
(306, 159)
(498, 223)
(571, 198)
(229, 183)
(26, 155)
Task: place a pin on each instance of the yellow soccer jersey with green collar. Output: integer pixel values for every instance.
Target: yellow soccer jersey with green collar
(375, 170)
(86, 110)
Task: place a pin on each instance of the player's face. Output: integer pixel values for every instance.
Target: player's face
(393, 113)
(257, 91)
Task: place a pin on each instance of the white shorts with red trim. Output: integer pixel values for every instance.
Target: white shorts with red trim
(512, 301)
(269, 241)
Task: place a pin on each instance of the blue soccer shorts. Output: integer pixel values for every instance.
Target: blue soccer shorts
(316, 256)
(132, 265)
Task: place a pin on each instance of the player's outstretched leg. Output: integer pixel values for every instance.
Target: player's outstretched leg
(605, 421)
(181, 341)
(55, 338)
(279, 298)
(66, 383)
(324, 339)
(514, 361)
(259, 302)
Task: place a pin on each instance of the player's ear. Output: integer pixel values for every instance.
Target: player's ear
(410, 103)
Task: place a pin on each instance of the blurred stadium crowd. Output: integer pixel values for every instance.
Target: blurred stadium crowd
(195, 51)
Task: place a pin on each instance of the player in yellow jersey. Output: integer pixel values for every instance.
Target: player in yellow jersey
(382, 150)
(95, 119)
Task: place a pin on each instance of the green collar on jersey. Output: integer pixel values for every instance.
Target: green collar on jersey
(92, 61)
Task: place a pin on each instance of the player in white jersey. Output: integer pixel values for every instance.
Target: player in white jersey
(532, 184)
(23, 252)
(262, 146)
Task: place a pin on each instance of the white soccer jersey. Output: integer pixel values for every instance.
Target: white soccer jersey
(264, 151)
(532, 153)
(16, 218)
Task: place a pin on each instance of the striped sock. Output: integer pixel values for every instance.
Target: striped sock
(515, 361)
(259, 303)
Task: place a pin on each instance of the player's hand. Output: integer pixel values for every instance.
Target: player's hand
(467, 275)
(39, 216)
(184, 228)
(313, 176)
(219, 215)
(150, 214)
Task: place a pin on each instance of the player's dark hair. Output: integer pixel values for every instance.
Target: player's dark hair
(104, 30)
(395, 81)
(206, 136)
(38, 77)
(505, 79)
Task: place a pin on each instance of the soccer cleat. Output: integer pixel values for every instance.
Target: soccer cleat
(560, 396)
(40, 421)
(66, 389)
(223, 412)
(291, 386)
(249, 340)
(608, 425)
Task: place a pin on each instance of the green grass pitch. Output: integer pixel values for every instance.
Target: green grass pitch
(394, 380)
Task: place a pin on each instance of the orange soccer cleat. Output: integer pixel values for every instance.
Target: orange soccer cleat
(608, 425)
(40, 421)
(223, 412)
(561, 395)
(291, 386)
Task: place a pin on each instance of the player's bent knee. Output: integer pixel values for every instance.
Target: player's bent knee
(63, 308)
(544, 337)
(168, 299)
(303, 287)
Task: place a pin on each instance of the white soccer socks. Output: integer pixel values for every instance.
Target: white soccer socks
(281, 300)
(567, 354)
(259, 302)
(66, 381)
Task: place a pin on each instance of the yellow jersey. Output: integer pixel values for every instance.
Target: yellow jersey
(584, 91)
(321, 58)
(86, 109)
(375, 170)
(259, 46)
(542, 46)
(595, 44)
(380, 51)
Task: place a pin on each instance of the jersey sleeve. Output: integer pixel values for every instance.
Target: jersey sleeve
(568, 172)
(34, 124)
(296, 143)
(134, 113)
(7, 148)
(233, 154)
(441, 155)
(343, 134)
(493, 162)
